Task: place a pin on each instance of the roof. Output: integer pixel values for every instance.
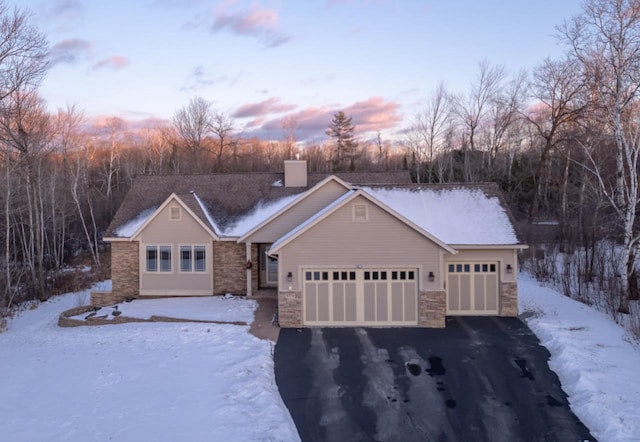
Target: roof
(457, 214)
(340, 202)
(226, 199)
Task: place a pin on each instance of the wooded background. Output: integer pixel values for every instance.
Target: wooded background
(562, 141)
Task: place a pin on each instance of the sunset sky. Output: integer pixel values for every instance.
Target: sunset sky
(263, 61)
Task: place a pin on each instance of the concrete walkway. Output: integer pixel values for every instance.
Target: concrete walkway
(263, 325)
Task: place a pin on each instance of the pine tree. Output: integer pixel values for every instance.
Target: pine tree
(345, 147)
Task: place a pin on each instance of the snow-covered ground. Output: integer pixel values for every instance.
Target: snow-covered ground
(595, 359)
(202, 382)
(140, 381)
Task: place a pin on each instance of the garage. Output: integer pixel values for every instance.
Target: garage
(367, 297)
(472, 288)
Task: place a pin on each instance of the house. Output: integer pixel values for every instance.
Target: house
(352, 249)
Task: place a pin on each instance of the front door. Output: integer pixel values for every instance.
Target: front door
(268, 268)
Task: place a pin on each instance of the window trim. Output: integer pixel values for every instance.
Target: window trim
(158, 250)
(193, 253)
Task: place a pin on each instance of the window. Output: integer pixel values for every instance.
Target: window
(201, 259)
(165, 258)
(158, 258)
(174, 213)
(193, 259)
(185, 258)
(360, 213)
(152, 259)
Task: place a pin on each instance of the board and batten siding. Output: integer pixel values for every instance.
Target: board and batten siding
(381, 242)
(299, 213)
(185, 231)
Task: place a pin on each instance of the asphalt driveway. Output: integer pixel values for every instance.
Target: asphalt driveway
(479, 379)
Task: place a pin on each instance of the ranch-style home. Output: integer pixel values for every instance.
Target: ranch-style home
(350, 249)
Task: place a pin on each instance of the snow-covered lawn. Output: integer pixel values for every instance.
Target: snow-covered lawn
(203, 382)
(138, 381)
(595, 359)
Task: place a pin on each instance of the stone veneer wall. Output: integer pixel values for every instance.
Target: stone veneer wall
(125, 274)
(432, 308)
(509, 299)
(290, 309)
(229, 268)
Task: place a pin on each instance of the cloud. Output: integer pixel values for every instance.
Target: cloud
(70, 51)
(367, 116)
(198, 79)
(271, 105)
(113, 62)
(256, 21)
(66, 7)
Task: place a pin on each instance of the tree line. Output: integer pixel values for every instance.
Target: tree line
(561, 140)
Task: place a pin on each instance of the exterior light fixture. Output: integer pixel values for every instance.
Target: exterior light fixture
(431, 277)
(289, 277)
(509, 268)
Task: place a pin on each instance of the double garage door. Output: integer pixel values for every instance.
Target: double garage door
(353, 297)
(472, 288)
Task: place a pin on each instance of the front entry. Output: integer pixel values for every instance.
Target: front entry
(268, 268)
(359, 297)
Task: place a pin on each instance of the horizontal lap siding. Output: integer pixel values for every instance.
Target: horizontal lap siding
(295, 216)
(381, 242)
(186, 231)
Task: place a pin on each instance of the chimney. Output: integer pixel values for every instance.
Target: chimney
(295, 173)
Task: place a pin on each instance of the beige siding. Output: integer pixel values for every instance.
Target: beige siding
(299, 213)
(380, 242)
(174, 233)
(503, 257)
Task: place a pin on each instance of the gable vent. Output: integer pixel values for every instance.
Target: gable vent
(360, 213)
(174, 214)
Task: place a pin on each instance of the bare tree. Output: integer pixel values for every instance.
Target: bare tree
(605, 40)
(222, 127)
(427, 132)
(472, 109)
(192, 125)
(557, 91)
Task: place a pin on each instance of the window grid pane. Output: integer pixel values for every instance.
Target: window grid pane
(201, 259)
(152, 259)
(185, 258)
(165, 258)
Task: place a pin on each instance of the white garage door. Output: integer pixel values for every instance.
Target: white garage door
(472, 288)
(358, 297)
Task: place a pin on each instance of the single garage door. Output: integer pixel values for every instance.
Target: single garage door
(358, 297)
(472, 288)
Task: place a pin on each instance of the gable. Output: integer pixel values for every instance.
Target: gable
(173, 222)
(360, 230)
(300, 210)
(348, 198)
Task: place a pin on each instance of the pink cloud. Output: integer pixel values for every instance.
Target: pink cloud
(270, 105)
(113, 62)
(255, 21)
(367, 116)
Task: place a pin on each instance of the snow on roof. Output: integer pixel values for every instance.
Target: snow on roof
(312, 219)
(261, 212)
(455, 216)
(210, 219)
(130, 227)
